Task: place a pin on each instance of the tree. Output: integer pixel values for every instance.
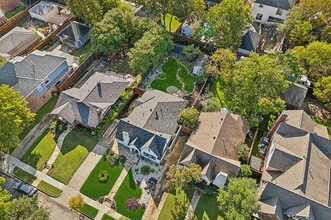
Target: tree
(227, 21)
(3, 61)
(191, 52)
(322, 90)
(5, 203)
(27, 208)
(245, 171)
(178, 178)
(239, 200)
(211, 105)
(243, 152)
(315, 58)
(150, 49)
(189, 117)
(254, 88)
(76, 202)
(180, 210)
(221, 63)
(91, 11)
(14, 117)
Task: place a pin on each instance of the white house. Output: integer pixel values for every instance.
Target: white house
(271, 11)
(49, 12)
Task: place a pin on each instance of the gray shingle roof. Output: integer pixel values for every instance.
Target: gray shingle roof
(295, 95)
(74, 31)
(42, 8)
(282, 4)
(82, 104)
(250, 41)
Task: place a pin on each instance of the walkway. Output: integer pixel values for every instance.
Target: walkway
(117, 184)
(193, 205)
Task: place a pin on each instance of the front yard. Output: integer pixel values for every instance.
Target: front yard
(40, 152)
(23, 175)
(93, 187)
(174, 74)
(207, 208)
(49, 189)
(216, 89)
(128, 190)
(76, 147)
(170, 203)
(90, 211)
(175, 23)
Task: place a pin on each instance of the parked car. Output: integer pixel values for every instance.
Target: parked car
(26, 188)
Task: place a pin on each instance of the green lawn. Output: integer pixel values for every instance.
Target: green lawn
(175, 23)
(76, 147)
(207, 208)
(93, 188)
(40, 151)
(169, 204)
(15, 11)
(107, 217)
(49, 189)
(174, 73)
(263, 127)
(40, 115)
(23, 175)
(83, 52)
(216, 89)
(89, 210)
(128, 190)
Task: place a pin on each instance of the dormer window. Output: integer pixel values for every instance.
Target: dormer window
(260, 6)
(279, 11)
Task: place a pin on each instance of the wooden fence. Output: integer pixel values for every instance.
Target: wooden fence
(77, 73)
(11, 23)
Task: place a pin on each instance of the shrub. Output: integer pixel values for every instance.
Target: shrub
(191, 52)
(245, 171)
(133, 204)
(103, 176)
(211, 105)
(76, 202)
(145, 170)
(243, 152)
(189, 117)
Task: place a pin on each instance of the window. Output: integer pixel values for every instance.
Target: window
(273, 19)
(260, 6)
(39, 88)
(46, 81)
(279, 11)
(149, 156)
(259, 16)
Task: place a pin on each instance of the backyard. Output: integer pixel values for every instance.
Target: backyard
(128, 190)
(40, 152)
(93, 187)
(39, 116)
(76, 147)
(15, 11)
(83, 52)
(170, 203)
(175, 23)
(174, 74)
(207, 208)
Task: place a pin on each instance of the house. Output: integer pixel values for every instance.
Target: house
(295, 183)
(213, 145)
(8, 5)
(249, 42)
(75, 35)
(16, 41)
(49, 12)
(294, 95)
(188, 27)
(152, 126)
(88, 104)
(271, 11)
(35, 76)
(211, 3)
(3, 18)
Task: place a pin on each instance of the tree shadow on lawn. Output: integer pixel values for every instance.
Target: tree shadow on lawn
(76, 138)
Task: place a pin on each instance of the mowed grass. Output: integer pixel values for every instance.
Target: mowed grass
(23, 175)
(83, 52)
(40, 114)
(93, 188)
(15, 11)
(128, 190)
(174, 73)
(49, 189)
(90, 211)
(40, 151)
(216, 88)
(175, 23)
(207, 208)
(107, 217)
(169, 204)
(76, 147)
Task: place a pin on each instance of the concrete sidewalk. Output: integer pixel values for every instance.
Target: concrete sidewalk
(193, 205)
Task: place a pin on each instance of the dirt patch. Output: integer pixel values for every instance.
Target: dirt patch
(315, 108)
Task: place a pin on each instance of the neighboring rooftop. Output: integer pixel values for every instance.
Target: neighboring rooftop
(95, 96)
(16, 41)
(250, 40)
(295, 95)
(74, 31)
(282, 4)
(43, 8)
(157, 111)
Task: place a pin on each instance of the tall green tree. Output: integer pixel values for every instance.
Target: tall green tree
(5, 203)
(178, 178)
(221, 63)
(14, 117)
(27, 208)
(189, 117)
(150, 49)
(255, 86)
(226, 22)
(91, 11)
(239, 200)
(322, 90)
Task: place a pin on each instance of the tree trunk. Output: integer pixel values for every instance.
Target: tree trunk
(170, 22)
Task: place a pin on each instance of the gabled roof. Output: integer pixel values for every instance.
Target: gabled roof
(295, 95)
(43, 8)
(74, 31)
(250, 40)
(282, 4)
(86, 103)
(157, 111)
